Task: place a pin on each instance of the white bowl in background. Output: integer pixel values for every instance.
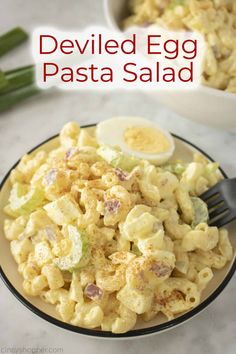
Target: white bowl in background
(204, 105)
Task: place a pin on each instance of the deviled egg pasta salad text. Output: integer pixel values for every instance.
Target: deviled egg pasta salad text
(108, 237)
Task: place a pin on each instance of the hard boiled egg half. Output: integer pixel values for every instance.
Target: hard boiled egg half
(137, 137)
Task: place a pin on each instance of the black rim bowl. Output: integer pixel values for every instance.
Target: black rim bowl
(134, 333)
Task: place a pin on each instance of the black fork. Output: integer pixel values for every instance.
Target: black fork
(221, 202)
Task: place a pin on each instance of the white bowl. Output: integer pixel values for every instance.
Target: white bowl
(204, 105)
(13, 280)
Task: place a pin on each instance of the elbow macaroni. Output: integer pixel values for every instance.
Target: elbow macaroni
(107, 247)
(215, 20)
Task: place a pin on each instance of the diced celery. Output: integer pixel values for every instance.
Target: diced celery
(175, 168)
(63, 210)
(24, 199)
(211, 167)
(117, 158)
(175, 3)
(200, 211)
(80, 251)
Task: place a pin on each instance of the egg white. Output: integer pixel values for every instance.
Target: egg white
(111, 132)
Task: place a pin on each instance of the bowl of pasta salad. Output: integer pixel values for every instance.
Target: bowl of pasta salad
(100, 241)
(214, 102)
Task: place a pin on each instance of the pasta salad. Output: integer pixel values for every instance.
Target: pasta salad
(106, 245)
(214, 19)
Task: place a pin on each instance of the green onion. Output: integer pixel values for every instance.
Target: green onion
(17, 78)
(10, 99)
(12, 39)
(3, 80)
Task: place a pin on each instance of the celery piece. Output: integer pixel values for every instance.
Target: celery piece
(176, 168)
(117, 158)
(23, 200)
(200, 211)
(80, 253)
(175, 3)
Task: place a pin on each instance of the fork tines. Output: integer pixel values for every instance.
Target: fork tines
(219, 213)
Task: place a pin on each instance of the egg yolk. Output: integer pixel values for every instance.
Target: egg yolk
(146, 139)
